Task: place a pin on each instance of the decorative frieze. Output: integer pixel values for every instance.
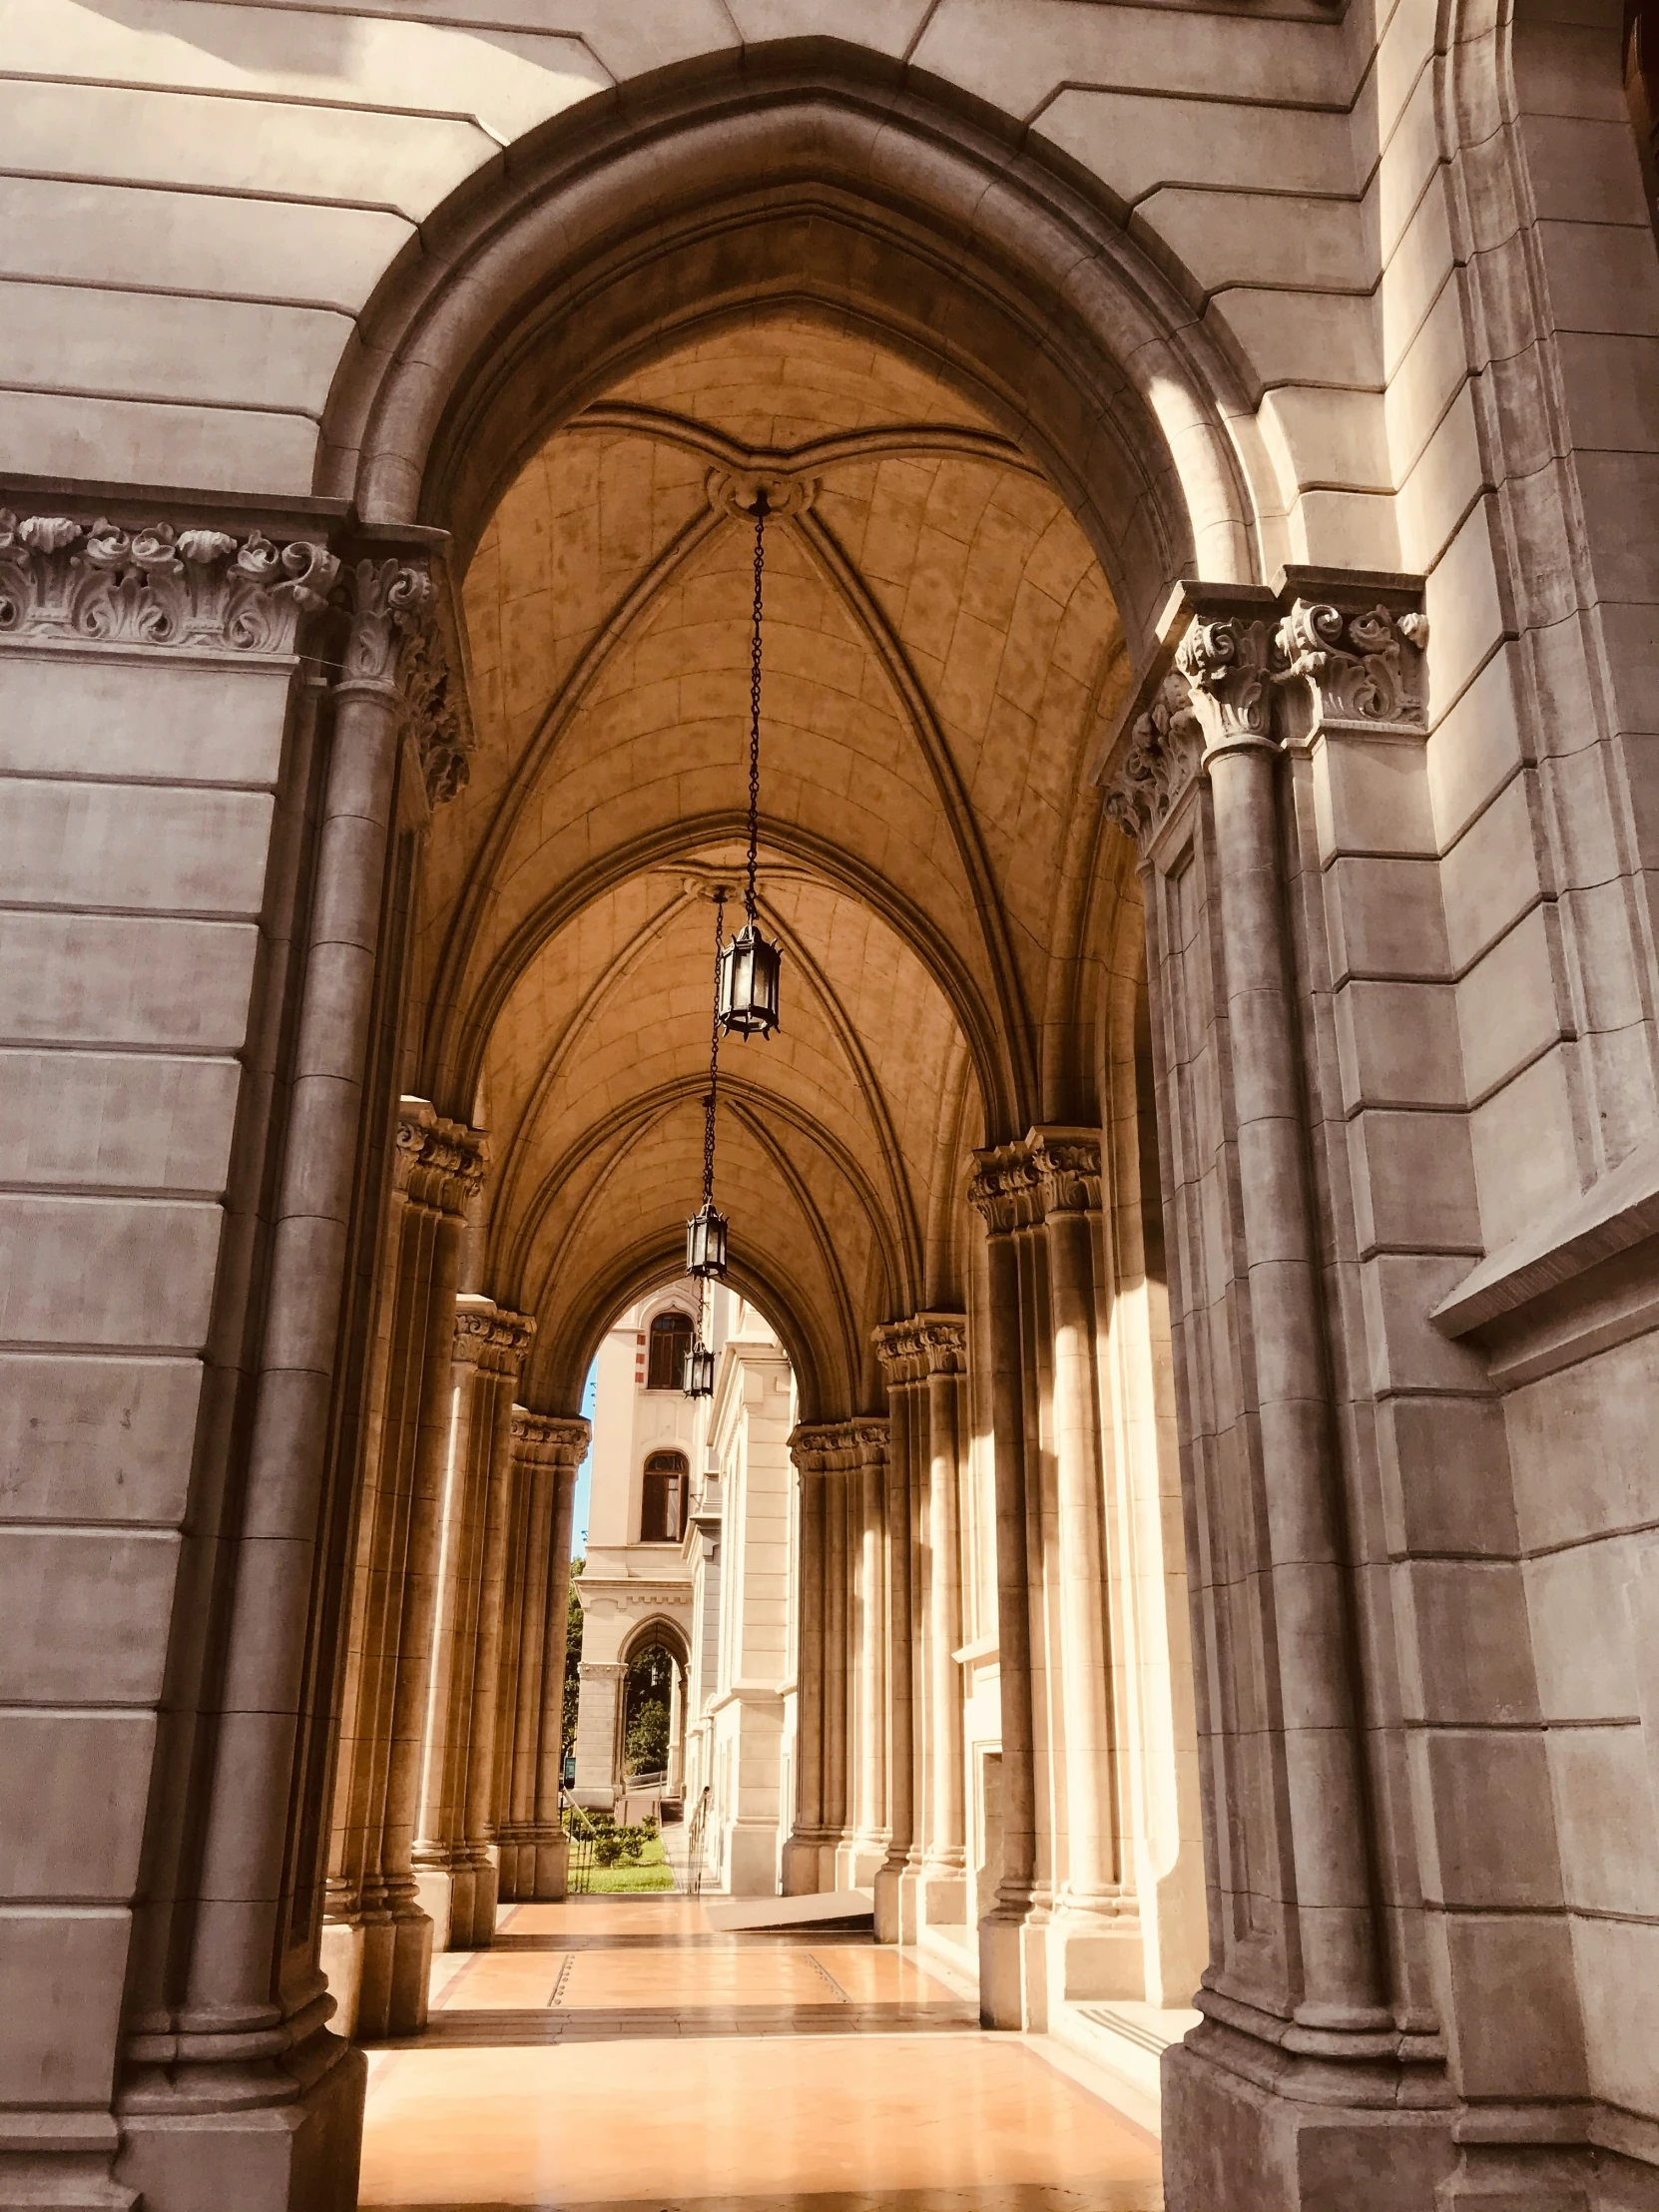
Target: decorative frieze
(436, 1163)
(188, 589)
(431, 714)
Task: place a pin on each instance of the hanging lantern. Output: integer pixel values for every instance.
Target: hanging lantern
(746, 1001)
(699, 1375)
(748, 969)
(706, 1240)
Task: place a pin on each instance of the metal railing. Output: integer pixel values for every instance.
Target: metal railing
(696, 1830)
(583, 1836)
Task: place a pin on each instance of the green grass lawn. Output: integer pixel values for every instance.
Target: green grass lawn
(651, 1872)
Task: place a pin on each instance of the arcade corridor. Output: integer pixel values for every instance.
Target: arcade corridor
(586, 2061)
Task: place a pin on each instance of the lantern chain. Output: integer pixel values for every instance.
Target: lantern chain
(754, 707)
(714, 1058)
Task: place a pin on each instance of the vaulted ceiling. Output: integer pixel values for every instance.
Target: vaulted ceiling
(941, 658)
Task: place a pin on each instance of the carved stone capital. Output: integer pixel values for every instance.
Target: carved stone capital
(490, 1337)
(437, 1163)
(194, 590)
(1156, 773)
(385, 601)
(550, 1440)
(1005, 1188)
(926, 1343)
(1069, 1163)
(1362, 668)
(731, 491)
(840, 1446)
(1224, 663)
(431, 714)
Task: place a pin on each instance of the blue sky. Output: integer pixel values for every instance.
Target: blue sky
(584, 1479)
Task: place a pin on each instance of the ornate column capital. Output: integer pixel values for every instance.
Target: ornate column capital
(1006, 1188)
(1154, 776)
(438, 1163)
(1224, 662)
(1357, 668)
(840, 1446)
(387, 601)
(187, 591)
(489, 1335)
(1067, 1162)
(557, 1440)
(927, 1343)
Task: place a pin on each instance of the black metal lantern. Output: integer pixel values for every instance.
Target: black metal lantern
(747, 1000)
(699, 1374)
(749, 969)
(706, 1242)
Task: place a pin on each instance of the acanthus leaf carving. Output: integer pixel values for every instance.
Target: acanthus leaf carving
(196, 589)
(387, 601)
(1162, 761)
(1361, 668)
(432, 716)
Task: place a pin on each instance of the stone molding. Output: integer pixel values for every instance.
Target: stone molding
(550, 1440)
(601, 1670)
(490, 1335)
(927, 1343)
(436, 1163)
(431, 713)
(840, 1446)
(194, 590)
(1322, 652)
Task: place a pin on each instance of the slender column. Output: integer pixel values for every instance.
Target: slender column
(522, 1690)
(565, 1440)
(944, 1864)
(1102, 1956)
(871, 1621)
(499, 1359)
(1004, 1192)
(836, 1719)
(804, 1856)
(1225, 665)
(247, 2009)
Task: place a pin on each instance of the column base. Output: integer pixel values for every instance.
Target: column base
(460, 1901)
(752, 1859)
(396, 1969)
(803, 1866)
(857, 1863)
(1239, 2143)
(942, 1901)
(897, 1904)
(299, 2156)
(1013, 1982)
(1095, 1955)
(534, 1869)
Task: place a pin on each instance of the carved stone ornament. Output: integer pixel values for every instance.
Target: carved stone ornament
(387, 601)
(1358, 667)
(430, 714)
(1069, 1166)
(1224, 663)
(731, 491)
(1162, 761)
(549, 1440)
(1005, 1188)
(926, 1343)
(191, 590)
(840, 1446)
(437, 1163)
(491, 1336)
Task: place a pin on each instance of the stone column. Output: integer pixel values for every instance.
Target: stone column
(944, 1860)
(1095, 1941)
(564, 1439)
(377, 1941)
(868, 1499)
(838, 1645)
(804, 1853)
(247, 2039)
(454, 1869)
(1012, 1990)
(598, 1719)
(902, 1352)
(521, 1688)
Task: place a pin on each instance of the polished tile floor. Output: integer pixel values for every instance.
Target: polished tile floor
(620, 2053)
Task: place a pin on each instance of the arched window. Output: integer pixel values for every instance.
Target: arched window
(670, 1335)
(663, 1509)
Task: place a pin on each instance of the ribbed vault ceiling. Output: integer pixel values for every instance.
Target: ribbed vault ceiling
(941, 653)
